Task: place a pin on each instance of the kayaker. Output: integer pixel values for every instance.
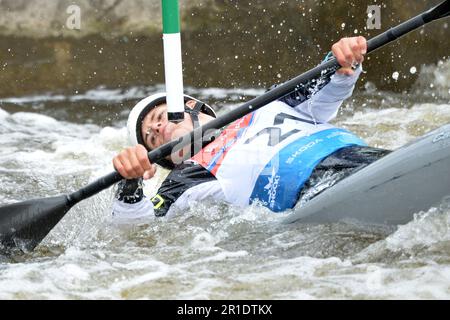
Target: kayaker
(282, 154)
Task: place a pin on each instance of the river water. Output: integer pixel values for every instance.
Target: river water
(56, 143)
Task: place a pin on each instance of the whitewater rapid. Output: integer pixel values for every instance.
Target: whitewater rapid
(53, 143)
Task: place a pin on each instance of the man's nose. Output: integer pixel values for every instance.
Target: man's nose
(156, 127)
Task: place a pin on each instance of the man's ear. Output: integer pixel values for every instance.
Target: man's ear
(191, 104)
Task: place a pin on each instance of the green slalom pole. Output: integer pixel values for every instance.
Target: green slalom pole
(172, 60)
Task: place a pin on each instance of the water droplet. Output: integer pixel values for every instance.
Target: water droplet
(413, 70)
(395, 75)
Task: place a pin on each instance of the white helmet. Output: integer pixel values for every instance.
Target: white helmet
(143, 107)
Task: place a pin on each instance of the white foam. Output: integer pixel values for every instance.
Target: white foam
(34, 99)
(3, 114)
(426, 229)
(37, 120)
(103, 94)
(434, 80)
(393, 127)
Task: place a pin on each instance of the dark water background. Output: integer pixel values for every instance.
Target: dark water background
(226, 44)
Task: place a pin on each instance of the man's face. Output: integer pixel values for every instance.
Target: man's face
(157, 130)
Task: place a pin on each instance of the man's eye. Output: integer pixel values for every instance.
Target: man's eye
(160, 116)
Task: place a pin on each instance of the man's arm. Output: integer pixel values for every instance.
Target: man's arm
(323, 106)
(320, 99)
(130, 204)
(187, 182)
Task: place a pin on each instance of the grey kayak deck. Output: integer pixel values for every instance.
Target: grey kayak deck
(391, 190)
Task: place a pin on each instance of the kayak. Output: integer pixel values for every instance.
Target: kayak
(389, 191)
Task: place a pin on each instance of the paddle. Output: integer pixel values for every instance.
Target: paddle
(24, 225)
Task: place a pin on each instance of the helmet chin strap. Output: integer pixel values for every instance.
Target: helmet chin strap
(194, 112)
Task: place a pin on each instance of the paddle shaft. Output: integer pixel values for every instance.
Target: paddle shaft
(440, 11)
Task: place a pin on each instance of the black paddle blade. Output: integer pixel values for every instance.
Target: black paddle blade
(440, 11)
(445, 9)
(24, 225)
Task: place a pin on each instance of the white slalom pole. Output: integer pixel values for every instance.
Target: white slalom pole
(173, 66)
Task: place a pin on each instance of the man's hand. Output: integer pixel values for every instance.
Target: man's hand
(133, 163)
(349, 52)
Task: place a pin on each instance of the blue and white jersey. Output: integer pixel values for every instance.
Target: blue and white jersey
(268, 155)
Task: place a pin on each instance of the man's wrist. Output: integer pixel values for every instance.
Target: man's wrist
(130, 191)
